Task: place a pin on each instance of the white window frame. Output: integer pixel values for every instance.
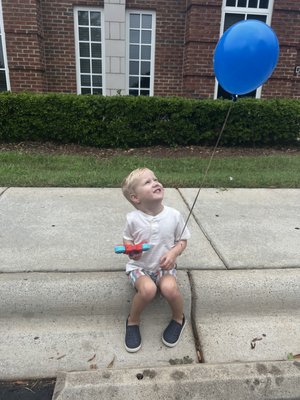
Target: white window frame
(244, 10)
(2, 38)
(152, 60)
(78, 80)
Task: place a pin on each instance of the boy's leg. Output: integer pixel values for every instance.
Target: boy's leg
(146, 291)
(170, 291)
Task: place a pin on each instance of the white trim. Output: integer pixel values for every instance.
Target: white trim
(6, 69)
(152, 60)
(244, 10)
(76, 38)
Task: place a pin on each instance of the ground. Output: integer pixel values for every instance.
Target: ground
(155, 151)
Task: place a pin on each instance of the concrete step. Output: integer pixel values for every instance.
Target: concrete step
(248, 315)
(252, 381)
(76, 321)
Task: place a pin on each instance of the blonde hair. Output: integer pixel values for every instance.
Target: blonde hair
(129, 183)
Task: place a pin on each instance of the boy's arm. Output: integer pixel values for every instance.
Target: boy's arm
(168, 260)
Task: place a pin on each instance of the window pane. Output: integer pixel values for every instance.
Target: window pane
(253, 3)
(84, 50)
(140, 53)
(230, 3)
(146, 53)
(134, 68)
(264, 4)
(96, 34)
(134, 20)
(134, 52)
(97, 91)
(83, 17)
(134, 36)
(95, 19)
(145, 82)
(96, 66)
(231, 19)
(85, 80)
(147, 21)
(97, 80)
(3, 86)
(145, 68)
(133, 81)
(225, 95)
(85, 66)
(85, 91)
(262, 18)
(84, 34)
(146, 37)
(242, 3)
(96, 50)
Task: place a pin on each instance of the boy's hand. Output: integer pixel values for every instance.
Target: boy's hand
(167, 261)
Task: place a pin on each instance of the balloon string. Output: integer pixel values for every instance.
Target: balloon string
(208, 166)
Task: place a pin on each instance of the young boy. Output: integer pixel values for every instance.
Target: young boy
(161, 227)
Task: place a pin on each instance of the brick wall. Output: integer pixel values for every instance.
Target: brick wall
(24, 42)
(202, 33)
(58, 22)
(286, 24)
(41, 48)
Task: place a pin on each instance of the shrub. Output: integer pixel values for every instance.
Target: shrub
(126, 121)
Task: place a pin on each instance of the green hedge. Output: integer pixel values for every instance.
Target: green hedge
(126, 121)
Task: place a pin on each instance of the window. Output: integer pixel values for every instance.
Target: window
(4, 81)
(89, 51)
(239, 10)
(141, 30)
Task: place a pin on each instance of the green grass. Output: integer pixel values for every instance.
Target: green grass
(38, 170)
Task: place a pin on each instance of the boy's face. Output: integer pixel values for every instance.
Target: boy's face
(147, 189)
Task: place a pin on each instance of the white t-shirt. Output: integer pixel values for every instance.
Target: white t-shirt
(161, 231)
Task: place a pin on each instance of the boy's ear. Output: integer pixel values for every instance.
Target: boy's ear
(134, 198)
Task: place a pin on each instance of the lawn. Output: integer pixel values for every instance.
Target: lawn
(75, 170)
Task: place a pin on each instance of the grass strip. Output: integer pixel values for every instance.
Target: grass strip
(42, 170)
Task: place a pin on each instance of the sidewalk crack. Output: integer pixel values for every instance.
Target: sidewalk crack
(199, 352)
(204, 231)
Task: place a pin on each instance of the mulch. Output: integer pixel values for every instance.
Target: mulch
(155, 151)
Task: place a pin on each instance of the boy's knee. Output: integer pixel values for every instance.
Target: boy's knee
(147, 290)
(169, 288)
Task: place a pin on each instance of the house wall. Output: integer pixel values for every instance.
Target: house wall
(41, 48)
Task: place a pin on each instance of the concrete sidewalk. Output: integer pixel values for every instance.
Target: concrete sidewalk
(64, 296)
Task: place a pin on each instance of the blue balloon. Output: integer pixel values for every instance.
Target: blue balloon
(245, 56)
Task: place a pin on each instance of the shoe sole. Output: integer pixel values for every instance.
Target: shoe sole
(133, 350)
(175, 343)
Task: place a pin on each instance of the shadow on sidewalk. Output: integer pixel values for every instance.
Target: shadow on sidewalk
(27, 390)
